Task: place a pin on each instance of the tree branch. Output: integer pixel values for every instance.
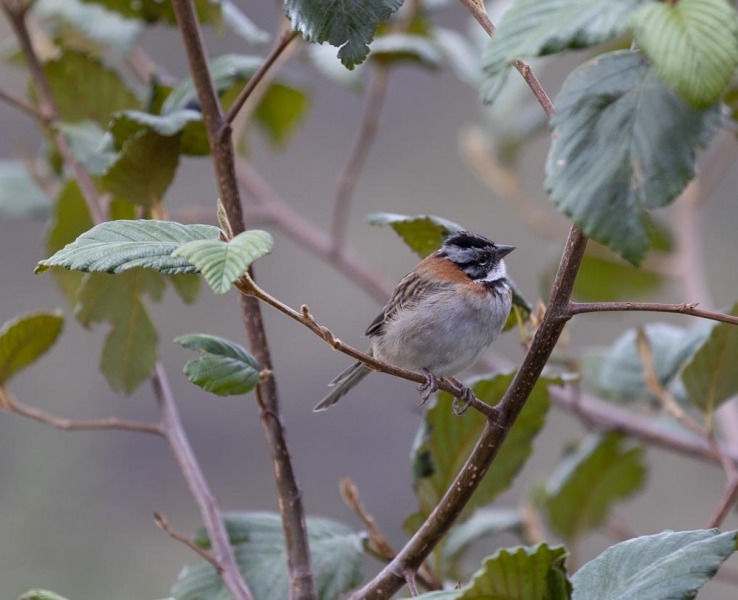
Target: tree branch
(578, 308)
(180, 445)
(22, 105)
(219, 137)
(11, 404)
(350, 173)
(163, 524)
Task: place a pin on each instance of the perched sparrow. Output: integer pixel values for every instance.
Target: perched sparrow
(442, 315)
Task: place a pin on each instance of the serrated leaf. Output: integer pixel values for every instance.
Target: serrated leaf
(711, 377)
(347, 24)
(224, 367)
(24, 339)
(92, 21)
(20, 195)
(623, 142)
(144, 168)
(258, 540)
(541, 27)
(484, 523)
(666, 565)
(693, 45)
(423, 233)
(70, 219)
(406, 47)
(589, 481)
(620, 376)
(85, 89)
(129, 351)
(41, 595)
(323, 57)
(445, 441)
(222, 263)
(156, 11)
(115, 246)
(90, 145)
(524, 573)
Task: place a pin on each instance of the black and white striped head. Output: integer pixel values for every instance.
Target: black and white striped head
(478, 257)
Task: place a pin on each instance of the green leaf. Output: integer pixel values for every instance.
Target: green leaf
(623, 142)
(423, 233)
(70, 219)
(279, 112)
(115, 246)
(24, 339)
(20, 195)
(484, 523)
(90, 145)
(84, 89)
(406, 47)
(524, 573)
(129, 351)
(41, 595)
(711, 376)
(258, 538)
(671, 564)
(347, 24)
(541, 27)
(693, 45)
(185, 123)
(186, 286)
(620, 375)
(92, 21)
(156, 11)
(224, 367)
(589, 481)
(445, 441)
(144, 168)
(222, 263)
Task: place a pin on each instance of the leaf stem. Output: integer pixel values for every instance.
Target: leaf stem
(578, 308)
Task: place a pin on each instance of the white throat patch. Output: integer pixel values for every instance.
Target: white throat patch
(499, 271)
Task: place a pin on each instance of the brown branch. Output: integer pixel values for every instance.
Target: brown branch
(163, 524)
(22, 105)
(485, 450)
(219, 137)
(249, 288)
(211, 514)
(283, 41)
(11, 404)
(578, 308)
(364, 140)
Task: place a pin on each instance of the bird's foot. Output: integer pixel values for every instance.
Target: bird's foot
(428, 387)
(463, 401)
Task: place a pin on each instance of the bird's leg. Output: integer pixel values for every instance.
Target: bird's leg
(429, 386)
(462, 402)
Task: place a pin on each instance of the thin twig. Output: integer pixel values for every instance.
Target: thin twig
(163, 524)
(283, 41)
(302, 580)
(364, 140)
(578, 308)
(248, 287)
(206, 502)
(11, 404)
(22, 105)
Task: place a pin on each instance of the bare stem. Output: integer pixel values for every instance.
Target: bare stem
(11, 404)
(206, 502)
(163, 524)
(364, 140)
(219, 136)
(578, 308)
(22, 105)
(283, 41)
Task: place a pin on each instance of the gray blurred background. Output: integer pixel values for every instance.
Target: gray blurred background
(76, 508)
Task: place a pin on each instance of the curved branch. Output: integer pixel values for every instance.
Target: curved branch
(579, 308)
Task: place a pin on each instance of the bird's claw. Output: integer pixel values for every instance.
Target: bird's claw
(428, 387)
(462, 402)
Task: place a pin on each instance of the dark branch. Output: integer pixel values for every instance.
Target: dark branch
(578, 308)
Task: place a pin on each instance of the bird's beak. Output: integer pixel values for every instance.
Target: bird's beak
(502, 251)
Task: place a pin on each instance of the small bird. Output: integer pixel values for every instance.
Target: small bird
(442, 315)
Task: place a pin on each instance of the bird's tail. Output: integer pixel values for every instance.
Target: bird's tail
(343, 383)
